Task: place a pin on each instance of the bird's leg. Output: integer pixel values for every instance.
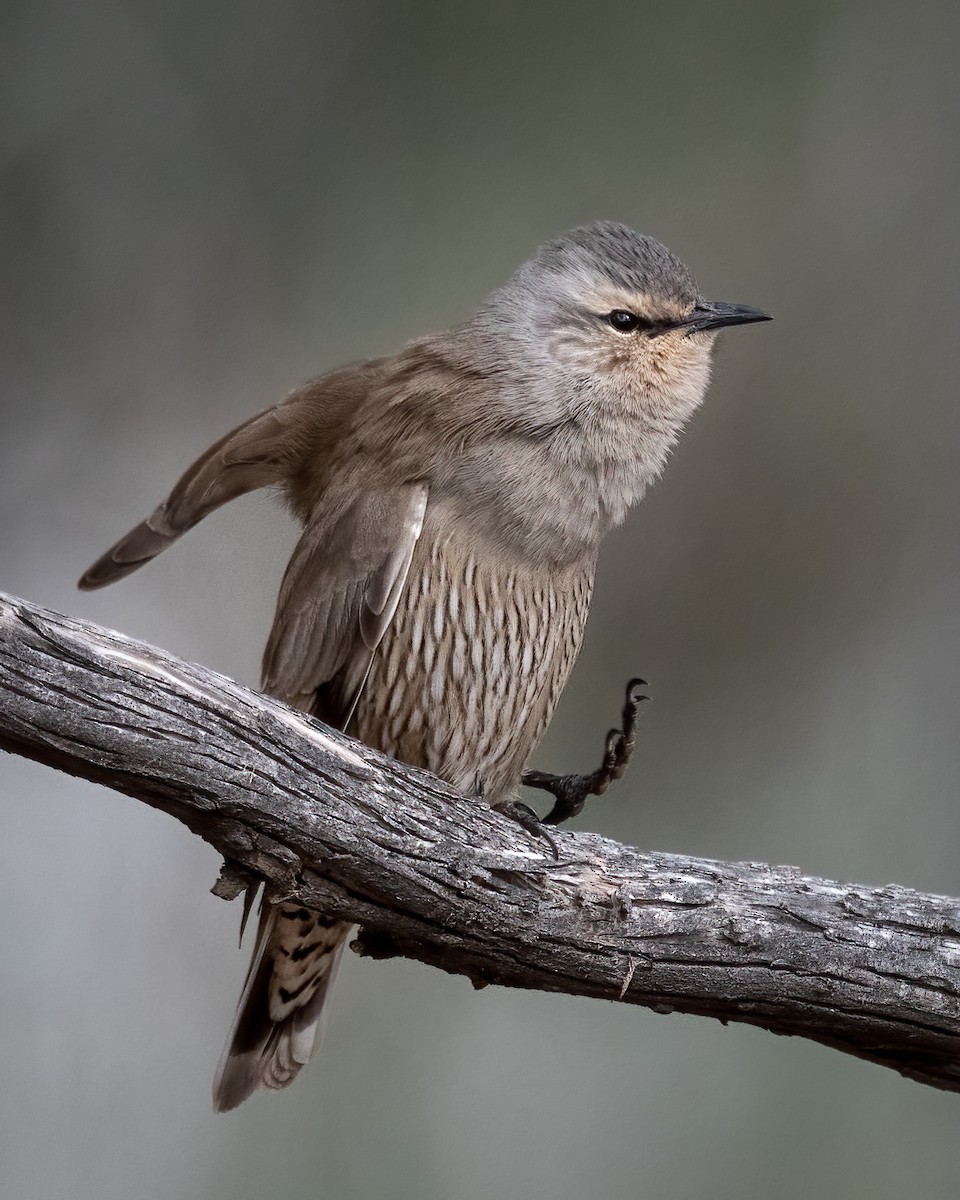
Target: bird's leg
(570, 792)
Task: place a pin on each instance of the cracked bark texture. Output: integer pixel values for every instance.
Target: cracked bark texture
(438, 877)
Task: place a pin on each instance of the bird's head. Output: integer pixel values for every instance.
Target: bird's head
(605, 307)
(600, 346)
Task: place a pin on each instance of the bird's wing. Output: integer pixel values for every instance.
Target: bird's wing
(338, 597)
(249, 457)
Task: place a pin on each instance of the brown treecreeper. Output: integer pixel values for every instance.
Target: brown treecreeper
(453, 498)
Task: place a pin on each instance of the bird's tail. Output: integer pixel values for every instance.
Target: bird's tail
(279, 1018)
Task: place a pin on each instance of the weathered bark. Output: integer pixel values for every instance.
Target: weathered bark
(437, 877)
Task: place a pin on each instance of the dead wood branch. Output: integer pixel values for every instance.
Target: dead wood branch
(437, 877)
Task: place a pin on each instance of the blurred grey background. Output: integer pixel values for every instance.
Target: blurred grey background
(203, 205)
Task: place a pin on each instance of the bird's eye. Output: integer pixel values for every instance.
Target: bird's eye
(625, 322)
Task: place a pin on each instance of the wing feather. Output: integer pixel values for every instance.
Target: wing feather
(247, 458)
(338, 597)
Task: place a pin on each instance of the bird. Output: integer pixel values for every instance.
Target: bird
(453, 497)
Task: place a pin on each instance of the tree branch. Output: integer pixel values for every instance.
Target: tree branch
(438, 877)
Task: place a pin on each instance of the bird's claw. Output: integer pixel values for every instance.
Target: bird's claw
(570, 792)
(525, 817)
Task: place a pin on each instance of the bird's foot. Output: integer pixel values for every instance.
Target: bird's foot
(525, 817)
(570, 792)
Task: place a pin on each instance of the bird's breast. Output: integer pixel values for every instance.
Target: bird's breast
(470, 671)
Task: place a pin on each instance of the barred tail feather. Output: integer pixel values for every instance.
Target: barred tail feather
(279, 1021)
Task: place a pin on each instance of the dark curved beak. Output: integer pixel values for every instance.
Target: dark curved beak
(715, 314)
